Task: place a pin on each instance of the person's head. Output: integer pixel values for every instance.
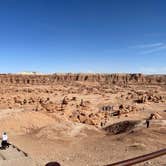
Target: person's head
(53, 164)
(4, 133)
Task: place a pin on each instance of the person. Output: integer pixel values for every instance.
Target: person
(53, 164)
(4, 143)
(147, 123)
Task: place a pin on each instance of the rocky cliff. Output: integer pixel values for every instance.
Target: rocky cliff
(117, 79)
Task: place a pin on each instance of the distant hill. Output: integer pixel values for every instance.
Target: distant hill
(29, 73)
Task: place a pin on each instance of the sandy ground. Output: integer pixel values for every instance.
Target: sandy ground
(95, 148)
(52, 136)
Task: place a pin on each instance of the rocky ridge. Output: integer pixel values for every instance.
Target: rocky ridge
(117, 79)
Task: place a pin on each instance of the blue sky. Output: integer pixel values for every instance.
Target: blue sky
(83, 36)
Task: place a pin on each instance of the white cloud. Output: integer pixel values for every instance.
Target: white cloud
(157, 49)
(150, 48)
(153, 45)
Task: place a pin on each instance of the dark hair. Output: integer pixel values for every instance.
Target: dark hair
(53, 164)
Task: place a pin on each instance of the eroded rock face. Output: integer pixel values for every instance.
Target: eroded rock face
(142, 97)
(155, 115)
(117, 79)
(150, 98)
(90, 119)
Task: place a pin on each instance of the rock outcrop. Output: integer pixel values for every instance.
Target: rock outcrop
(117, 79)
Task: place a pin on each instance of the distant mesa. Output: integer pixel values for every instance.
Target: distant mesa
(30, 73)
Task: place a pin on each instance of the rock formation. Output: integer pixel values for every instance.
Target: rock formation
(117, 79)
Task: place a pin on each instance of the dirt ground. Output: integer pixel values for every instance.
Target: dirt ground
(66, 122)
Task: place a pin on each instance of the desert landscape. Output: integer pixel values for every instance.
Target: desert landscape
(83, 119)
(82, 82)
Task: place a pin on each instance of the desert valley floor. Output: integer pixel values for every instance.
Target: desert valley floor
(84, 121)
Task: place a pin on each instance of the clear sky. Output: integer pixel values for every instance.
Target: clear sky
(83, 36)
